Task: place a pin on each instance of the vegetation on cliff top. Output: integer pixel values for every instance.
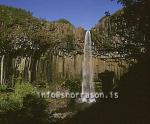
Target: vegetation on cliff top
(21, 33)
(126, 31)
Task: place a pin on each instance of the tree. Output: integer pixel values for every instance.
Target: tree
(136, 13)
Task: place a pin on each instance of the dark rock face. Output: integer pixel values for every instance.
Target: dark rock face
(132, 106)
(106, 78)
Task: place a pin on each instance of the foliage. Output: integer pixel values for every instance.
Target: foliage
(33, 111)
(136, 14)
(23, 106)
(21, 90)
(126, 31)
(72, 86)
(22, 34)
(128, 2)
(3, 88)
(64, 21)
(14, 100)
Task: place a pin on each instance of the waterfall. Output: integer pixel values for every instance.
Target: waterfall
(88, 89)
(2, 69)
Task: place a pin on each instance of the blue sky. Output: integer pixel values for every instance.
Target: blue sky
(85, 13)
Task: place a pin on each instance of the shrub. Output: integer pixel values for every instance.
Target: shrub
(21, 90)
(23, 106)
(72, 86)
(3, 88)
(14, 100)
(33, 111)
(7, 104)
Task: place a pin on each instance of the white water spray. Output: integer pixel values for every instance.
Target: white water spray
(88, 88)
(2, 70)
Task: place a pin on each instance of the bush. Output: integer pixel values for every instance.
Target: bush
(3, 88)
(21, 90)
(23, 106)
(14, 100)
(7, 104)
(72, 86)
(34, 111)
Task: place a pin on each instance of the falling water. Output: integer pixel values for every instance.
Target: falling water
(88, 89)
(2, 69)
